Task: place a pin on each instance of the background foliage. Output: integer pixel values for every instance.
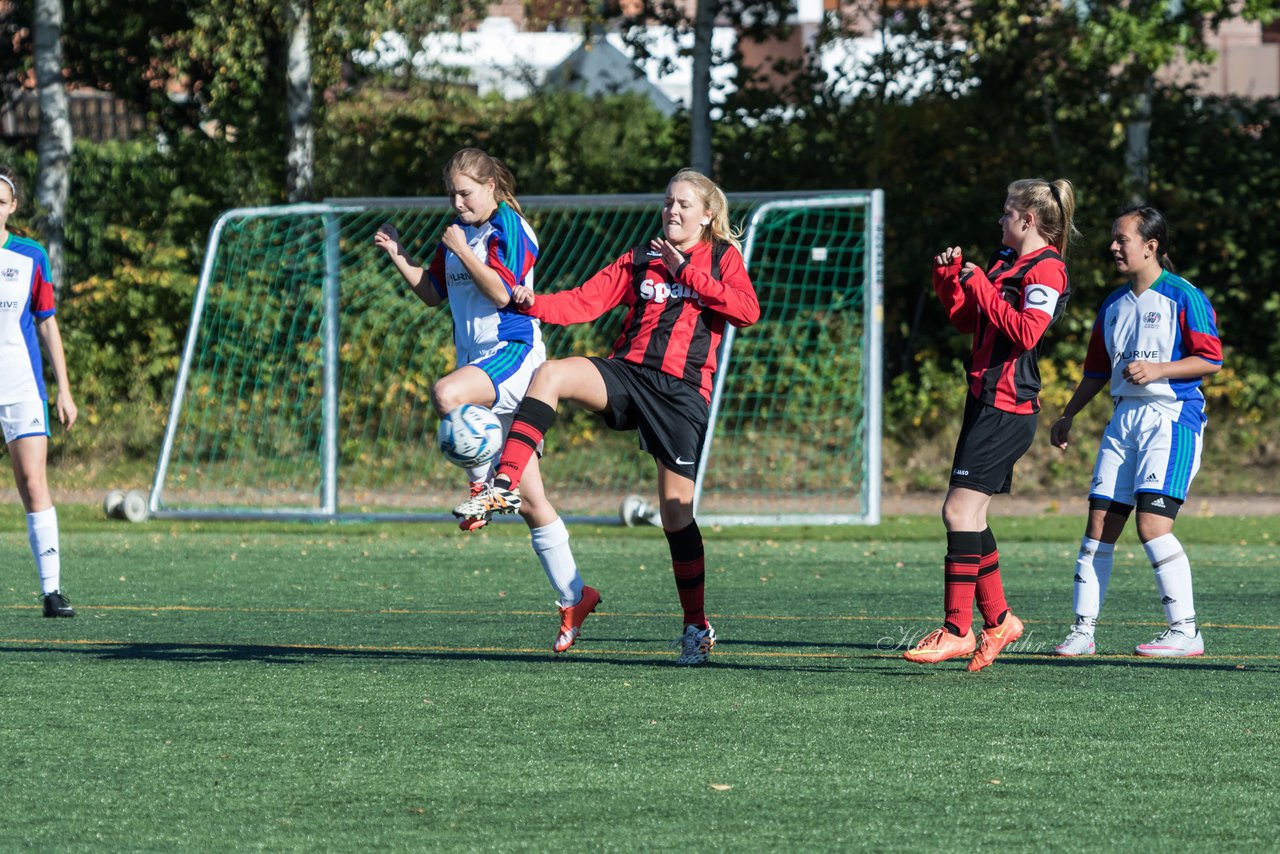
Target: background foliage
(1032, 97)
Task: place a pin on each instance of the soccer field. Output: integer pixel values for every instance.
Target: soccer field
(330, 688)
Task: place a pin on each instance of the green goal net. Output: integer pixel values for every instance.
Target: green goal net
(304, 387)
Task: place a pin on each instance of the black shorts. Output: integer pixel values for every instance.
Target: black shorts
(669, 413)
(991, 441)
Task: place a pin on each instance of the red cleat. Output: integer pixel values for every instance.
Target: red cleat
(571, 618)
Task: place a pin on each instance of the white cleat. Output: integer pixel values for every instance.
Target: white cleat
(1077, 642)
(1172, 643)
(695, 645)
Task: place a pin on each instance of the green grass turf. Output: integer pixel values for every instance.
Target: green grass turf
(330, 688)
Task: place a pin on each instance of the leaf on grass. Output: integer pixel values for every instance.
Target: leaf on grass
(721, 787)
(994, 782)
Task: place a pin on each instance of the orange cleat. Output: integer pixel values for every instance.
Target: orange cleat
(940, 645)
(571, 618)
(993, 640)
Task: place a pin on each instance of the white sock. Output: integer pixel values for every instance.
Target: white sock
(1173, 581)
(551, 545)
(1093, 573)
(42, 533)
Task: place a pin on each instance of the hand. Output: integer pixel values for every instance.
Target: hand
(1141, 372)
(522, 297)
(947, 257)
(969, 269)
(388, 240)
(1059, 432)
(671, 256)
(67, 410)
(455, 240)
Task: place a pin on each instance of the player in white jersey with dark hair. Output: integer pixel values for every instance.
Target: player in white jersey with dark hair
(26, 321)
(488, 250)
(1153, 341)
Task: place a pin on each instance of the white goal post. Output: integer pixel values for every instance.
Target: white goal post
(303, 389)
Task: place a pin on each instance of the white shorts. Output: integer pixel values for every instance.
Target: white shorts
(1143, 450)
(28, 418)
(510, 367)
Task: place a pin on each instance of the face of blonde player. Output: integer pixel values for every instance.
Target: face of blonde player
(474, 202)
(682, 215)
(8, 204)
(1012, 232)
(1135, 258)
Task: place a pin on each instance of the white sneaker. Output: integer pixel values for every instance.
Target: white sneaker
(695, 644)
(1172, 643)
(1079, 641)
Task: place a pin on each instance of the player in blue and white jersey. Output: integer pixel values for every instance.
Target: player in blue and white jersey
(26, 321)
(1154, 340)
(488, 250)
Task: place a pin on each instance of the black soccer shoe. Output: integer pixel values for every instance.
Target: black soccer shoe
(56, 605)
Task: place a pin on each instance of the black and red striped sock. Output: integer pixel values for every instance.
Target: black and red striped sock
(989, 587)
(532, 421)
(960, 573)
(689, 565)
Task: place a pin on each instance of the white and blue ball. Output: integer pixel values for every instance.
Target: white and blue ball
(470, 435)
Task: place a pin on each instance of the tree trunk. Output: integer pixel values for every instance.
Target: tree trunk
(700, 99)
(1137, 154)
(300, 159)
(53, 146)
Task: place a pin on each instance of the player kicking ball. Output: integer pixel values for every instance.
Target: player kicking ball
(1154, 340)
(680, 290)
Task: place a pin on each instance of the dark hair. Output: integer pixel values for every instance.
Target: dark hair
(483, 168)
(1152, 226)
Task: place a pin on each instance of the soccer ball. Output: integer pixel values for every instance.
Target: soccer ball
(470, 435)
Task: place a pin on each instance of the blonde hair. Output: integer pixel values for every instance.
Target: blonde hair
(1053, 203)
(713, 199)
(482, 168)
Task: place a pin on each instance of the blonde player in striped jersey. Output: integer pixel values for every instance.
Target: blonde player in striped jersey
(26, 321)
(1154, 340)
(488, 250)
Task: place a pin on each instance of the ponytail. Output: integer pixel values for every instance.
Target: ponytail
(1053, 203)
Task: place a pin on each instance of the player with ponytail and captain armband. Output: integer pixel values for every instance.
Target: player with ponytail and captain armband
(680, 290)
(26, 321)
(1008, 309)
(485, 253)
(1154, 340)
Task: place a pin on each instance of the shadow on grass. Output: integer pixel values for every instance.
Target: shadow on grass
(196, 653)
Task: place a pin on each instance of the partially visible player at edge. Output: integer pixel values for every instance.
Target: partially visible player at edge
(1155, 339)
(483, 255)
(1008, 309)
(26, 314)
(680, 290)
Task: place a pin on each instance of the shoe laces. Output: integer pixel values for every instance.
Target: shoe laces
(934, 638)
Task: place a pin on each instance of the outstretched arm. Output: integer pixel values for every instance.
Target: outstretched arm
(47, 329)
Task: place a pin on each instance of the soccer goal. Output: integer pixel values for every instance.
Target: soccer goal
(304, 386)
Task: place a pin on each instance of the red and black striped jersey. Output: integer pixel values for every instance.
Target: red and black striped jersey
(674, 323)
(1008, 309)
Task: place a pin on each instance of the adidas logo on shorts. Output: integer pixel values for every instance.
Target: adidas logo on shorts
(1152, 478)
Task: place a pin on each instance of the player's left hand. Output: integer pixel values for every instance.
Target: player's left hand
(671, 256)
(967, 271)
(67, 410)
(1140, 372)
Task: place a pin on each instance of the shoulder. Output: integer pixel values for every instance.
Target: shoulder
(1115, 295)
(1177, 288)
(26, 246)
(508, 222)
